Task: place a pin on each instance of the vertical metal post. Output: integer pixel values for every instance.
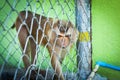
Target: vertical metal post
(84, 42)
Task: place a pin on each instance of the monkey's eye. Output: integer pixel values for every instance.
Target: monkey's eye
(60, 36)
(69, 35)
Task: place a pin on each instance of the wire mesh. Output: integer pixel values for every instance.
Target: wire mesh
(11, 63)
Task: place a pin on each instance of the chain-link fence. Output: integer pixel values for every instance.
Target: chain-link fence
(77, 62)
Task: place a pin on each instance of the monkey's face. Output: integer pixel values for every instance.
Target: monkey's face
(63, 40)
(63, 31)
(63, 34)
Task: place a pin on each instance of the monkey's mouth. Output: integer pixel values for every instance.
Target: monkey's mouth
(63, 47)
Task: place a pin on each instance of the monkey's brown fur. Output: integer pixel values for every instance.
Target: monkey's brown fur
(35, 29)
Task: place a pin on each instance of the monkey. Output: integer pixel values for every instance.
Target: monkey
(57, 35)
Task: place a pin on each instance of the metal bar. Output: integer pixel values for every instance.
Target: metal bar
(84, 42)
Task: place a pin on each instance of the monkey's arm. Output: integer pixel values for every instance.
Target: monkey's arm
(56, 64)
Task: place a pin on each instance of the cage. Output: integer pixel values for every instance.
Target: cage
(77, 62)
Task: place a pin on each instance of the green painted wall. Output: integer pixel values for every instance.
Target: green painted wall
(106, 35)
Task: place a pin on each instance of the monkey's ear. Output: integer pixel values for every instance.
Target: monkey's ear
(75, 34)
(58, 23)
(70, 24)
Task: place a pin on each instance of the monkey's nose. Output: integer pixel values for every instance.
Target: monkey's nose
(64, 44)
